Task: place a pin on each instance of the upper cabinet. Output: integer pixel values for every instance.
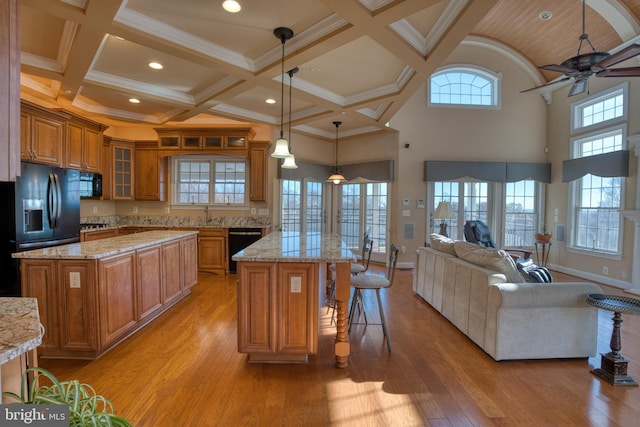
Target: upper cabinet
(150, 172)
(258, 156)
(83, 144)
(122, 168)
(42, 134)
(233, 140)
(9, 90)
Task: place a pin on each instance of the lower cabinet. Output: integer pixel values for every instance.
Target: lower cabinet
(212, 250)
(278, 310)
(87, 306)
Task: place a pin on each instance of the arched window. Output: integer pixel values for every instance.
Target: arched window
(464, 85)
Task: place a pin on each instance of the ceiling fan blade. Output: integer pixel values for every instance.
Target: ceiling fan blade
(545, 85)
(558, 68)
(622, 55)
(620, 72)
(578, 87)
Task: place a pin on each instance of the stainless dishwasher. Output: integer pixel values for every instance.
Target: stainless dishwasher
(240, 238)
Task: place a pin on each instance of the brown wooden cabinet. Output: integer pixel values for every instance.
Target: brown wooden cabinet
(212, 250)
(116, 297)
(39, 281)
(43, 137)
(278, 310)
(149, 273)
(77, 314)
(233, 140)
(83, 145)
(122, 170)
(10, 119)
(258, 156)
(87, 236)
(150, 172)
(88, 306)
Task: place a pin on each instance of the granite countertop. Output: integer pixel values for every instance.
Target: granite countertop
(297, 247)
(19, 327)
(105, 247)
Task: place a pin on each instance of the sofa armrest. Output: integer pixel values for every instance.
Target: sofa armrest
(529, 295)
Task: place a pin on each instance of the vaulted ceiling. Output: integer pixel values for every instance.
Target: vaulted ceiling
(358, 60)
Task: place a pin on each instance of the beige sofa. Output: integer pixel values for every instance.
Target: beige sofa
(508, 320)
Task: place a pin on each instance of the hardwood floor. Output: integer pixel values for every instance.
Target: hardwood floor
(184, 370)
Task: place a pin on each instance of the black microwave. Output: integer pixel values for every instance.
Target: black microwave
(90, 185)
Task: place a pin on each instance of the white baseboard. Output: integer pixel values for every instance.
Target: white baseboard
(405, 265)
(620, 284)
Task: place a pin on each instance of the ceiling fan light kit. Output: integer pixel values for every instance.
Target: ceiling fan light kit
(281, 150)
(582, 66)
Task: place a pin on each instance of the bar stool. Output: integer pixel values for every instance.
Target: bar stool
(356, 268)
(369, 281)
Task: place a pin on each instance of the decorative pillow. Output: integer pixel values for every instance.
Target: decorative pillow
(491, 258)
(443, 244)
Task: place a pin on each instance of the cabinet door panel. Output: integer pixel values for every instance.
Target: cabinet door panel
(212, 253)
(77, 297)
(74, 146)
(92, 150)
(117, 297)
(39, 281)
(46, 140)
(189, 261)
(257, 307)
(172, 273)
(298, 307)
(149, 280)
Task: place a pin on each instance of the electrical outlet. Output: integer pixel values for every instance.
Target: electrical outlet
(403, 249)
(95, 209)
(167, 210)
(605, 271)
(135, 209)
(623, 274)
(74, 279)
(296, 284)
(253, 211)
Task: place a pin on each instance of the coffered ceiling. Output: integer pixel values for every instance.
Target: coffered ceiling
(358, 60)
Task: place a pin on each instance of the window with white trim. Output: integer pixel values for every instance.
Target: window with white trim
(464, 86)
(301, 207)
(521, 212)
(209, 180)
(595, 202)
(472, 196)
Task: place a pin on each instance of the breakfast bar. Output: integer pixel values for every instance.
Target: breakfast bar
(93, 295)
(278, 287)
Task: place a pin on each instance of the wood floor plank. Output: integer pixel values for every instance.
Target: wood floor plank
(183, 369)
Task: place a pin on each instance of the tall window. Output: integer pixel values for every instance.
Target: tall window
(209, 180)
(472, 196)
(364, 207)
(301, 205)
(465, 86)
(520, 213)
(595, 202)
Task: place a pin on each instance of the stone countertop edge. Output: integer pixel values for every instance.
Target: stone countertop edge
(103, 248)
(169, 228)
(296, 247)
(19, 327)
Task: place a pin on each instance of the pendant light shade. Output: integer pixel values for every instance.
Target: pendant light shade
(336, 174)
(282, 145)
(290, 162)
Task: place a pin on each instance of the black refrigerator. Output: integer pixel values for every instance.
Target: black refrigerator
(41, 209)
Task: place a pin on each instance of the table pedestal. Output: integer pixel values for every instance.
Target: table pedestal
(613, 367)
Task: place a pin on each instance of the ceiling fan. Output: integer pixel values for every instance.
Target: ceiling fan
(582, 66)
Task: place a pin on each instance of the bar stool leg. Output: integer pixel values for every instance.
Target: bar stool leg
(382, 320)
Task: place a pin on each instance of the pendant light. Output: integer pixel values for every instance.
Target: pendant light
(336, 174)
(290, 162)
(282, 145)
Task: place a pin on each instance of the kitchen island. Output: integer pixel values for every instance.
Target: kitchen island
(20, 335)
(279, 280)
(93, 295)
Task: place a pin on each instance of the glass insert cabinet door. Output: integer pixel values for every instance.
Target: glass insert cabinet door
(122, 172)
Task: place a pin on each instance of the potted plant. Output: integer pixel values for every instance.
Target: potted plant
(85, 407)
(543, 237)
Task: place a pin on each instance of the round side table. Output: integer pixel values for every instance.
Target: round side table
(613, 367)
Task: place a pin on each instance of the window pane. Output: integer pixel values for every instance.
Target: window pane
(463, 87)
(520, 214)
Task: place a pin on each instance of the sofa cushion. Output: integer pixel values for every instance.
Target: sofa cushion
(488, 257)
(443, 244)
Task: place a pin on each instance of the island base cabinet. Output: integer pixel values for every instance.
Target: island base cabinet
(278, 311)
(88, 306)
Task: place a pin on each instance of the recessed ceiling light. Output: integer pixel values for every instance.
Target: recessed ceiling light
(231, 6)
(545, 15)
(155, 65)
(134, 100)
(270, 101)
